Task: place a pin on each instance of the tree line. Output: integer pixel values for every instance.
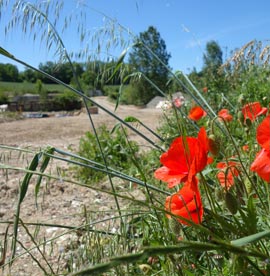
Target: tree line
(87, 72)
(146, 70)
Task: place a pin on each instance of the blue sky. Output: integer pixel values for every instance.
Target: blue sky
(185, 25)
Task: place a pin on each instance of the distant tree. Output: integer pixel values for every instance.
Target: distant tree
(196, 77)
(79, 68)
(61, 71)
(142, 59)
(9, 72)
(12, 72)
(89, 78)
(28, 75)
(96, 74)
(48, 67)
(214, 78)
(213, 57)
(2, 72)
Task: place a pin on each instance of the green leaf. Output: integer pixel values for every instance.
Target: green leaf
(44, 164)
(25, 183)
(131, 119)
(119, 63)
(116, 69)
(118, 97)
(115, 128)
(251, 238)
(23, 190)
(252, 215)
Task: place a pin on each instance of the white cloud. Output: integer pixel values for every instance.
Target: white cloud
(198, 41)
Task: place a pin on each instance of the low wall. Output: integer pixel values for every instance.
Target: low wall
(42, 106)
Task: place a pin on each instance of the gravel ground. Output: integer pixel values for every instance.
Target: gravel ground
(59, 202)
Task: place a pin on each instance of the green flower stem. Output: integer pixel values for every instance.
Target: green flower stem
(241, 162)
(209, 194)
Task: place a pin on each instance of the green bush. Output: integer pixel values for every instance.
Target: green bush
(254, 84)
(112, 92)
(3, 98)
(116, 149)
(68, 101)
(132, 95)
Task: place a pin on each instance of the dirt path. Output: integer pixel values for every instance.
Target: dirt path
(59, 202)
(62, 131)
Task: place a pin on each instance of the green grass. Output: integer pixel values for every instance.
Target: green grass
(18, 88)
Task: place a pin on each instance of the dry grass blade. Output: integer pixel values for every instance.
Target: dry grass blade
(4, 250)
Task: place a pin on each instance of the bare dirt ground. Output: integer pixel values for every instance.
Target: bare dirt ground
(59, 202)
(63, 130)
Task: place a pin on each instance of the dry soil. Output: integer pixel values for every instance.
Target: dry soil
(59, 202)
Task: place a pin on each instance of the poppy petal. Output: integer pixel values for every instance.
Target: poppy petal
(253, 110)
(261, 164)
(178, 157)
(187, 204)
(171, 177)
(224, 113)
(196, 113)
(228, 171)
(185, 158)
(263, 133)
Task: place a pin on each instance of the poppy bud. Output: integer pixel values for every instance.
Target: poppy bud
(231, 203)
(248, 186)
(213, 144)
(248, 122)
(175, 226)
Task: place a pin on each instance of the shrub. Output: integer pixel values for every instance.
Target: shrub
(3, 98)
(116, 149)
(112, 92)
(132, 95)
(68, 101)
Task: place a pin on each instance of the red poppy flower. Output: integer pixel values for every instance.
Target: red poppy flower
(196, 113)
(253, 110)
(210, 160)
(263, 133)
(228, 171)
(224, 114)
(185, 158)
(187, 204)
(245, 148)
(205, 90)
(261, 164)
